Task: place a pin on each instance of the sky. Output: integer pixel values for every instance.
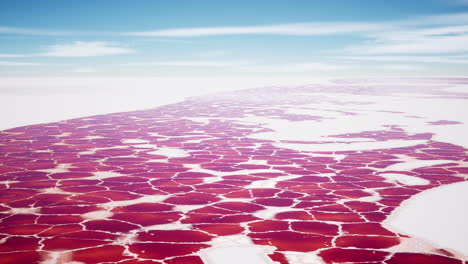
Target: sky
(203, 37)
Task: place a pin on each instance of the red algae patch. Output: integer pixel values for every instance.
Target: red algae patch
(278, 175)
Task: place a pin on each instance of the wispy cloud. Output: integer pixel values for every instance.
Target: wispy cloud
(438, 40)
(76, 49)
(278, 29)
(85, 49)
(295, 67)
(438, 34)
(17, 63)
(195, 63)
(309, 28)
(399, 67)
(400, 44)
(393, 58)
(191, 63)
(12, 55)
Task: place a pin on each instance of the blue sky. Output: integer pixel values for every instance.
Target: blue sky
(427, 37)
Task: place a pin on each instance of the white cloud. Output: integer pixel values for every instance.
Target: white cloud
(195, 63)
(310, 28)
(278, 29)
(191, 63)
(16, 63)
(437, 34)
(415, 44)
(296, 67)
(429, 59)
(399, 67)
(85, 49)
(12, 55)
(441, 34)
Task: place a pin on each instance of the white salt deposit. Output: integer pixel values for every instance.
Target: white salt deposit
(170, 226)
(212, 179)
(374, 196)
(234, 250)
(303, 258)
(270, 183)
(25, 210)
(143, 199)
(271, 211)
(170, 152)
(59, 257)
(411, 164)
(438, 215)
(8, 182)
(100, 175)
(145, 146)
(404, 179)
(458, 89)
(97, 215)
(220, 174)
(62, 167)
(55, 190)
(134, 141)
(188, 208)
(351, 146)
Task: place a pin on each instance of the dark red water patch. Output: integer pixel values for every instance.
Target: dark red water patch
(16, 243)
(338, 255)
(278, 257)
(338, 217)
(268, 225)
(70, 243)
(296, 215)
(108, 253)
(192, 199)
(291, 241)
(220, 229)
(113, 226)
(367, 241)
(25, 257)
(366, 229)
(315, 227)
(24, 229)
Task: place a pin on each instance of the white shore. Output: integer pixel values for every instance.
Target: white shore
(438, 215)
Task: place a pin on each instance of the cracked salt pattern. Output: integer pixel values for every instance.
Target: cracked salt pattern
(279, 175)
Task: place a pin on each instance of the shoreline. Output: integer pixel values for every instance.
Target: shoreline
(408, 218)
